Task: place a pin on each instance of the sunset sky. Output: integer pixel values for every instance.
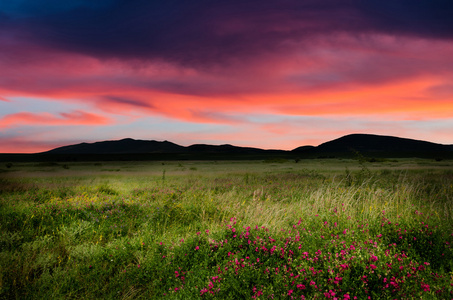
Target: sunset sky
(270, 74)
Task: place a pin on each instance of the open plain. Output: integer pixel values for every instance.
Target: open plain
(274, 229)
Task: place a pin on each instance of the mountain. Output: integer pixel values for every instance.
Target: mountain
(377, 144)
(131, 146)
(366, 144)
(124, 146)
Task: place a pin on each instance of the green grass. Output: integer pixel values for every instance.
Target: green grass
(227, 230)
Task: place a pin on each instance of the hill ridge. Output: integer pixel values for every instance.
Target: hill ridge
(356, 142)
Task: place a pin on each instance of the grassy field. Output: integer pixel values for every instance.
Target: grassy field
(316, 229)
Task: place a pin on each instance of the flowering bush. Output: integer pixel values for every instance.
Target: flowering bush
(299, 263)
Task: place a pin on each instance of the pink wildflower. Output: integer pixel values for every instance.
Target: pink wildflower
(425, 287)
(300, 286)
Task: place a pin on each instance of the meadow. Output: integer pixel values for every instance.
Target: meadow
(277, 229)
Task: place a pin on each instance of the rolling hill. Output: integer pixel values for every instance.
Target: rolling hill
(378, 145)
(366, 144)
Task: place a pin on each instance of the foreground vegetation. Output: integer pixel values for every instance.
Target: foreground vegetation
(231, 230)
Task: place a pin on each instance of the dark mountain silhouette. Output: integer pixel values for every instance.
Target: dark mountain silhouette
(132, 146)
(366, 144)
(304, 149)
(203, 148)
(379, 145)
(123, 146)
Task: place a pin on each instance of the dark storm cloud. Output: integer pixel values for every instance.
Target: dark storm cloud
(198, 33)
(424, 18)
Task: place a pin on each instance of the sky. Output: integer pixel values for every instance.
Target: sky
(274, 74)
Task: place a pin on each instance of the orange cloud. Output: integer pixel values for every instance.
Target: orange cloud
(406, 98)
(24, 145)
(47, 119)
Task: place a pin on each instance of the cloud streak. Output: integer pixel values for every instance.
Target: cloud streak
(47, 119)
